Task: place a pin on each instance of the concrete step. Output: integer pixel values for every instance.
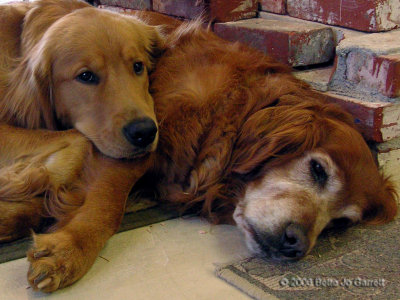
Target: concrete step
(364, 15)
(318, 78)
(290, 41)
(388, 158)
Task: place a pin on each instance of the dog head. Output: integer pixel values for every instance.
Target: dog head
(89, 70)
(307, 168)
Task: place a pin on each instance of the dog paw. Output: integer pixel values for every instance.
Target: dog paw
(55, 262)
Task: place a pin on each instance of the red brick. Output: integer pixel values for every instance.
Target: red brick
(232, 10)
(188, 9)
(213, 10)
(381, 73)
(133, 4)
(365, 15)
(290, 42)
(378, 121)
(274, 6)
(369, 65)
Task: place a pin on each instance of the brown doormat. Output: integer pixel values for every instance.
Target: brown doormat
(361, 263)
(138, 214)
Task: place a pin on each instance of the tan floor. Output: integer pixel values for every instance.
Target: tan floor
(168, 260)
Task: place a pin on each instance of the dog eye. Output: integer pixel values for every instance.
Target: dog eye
(138, 67)
(318, 173)
(88, 77)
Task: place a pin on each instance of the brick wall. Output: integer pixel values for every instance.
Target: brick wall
(357, 67)
(216, 10)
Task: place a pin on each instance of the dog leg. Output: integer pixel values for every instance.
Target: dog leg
(34, 164)
(60, 258)
(19, 218)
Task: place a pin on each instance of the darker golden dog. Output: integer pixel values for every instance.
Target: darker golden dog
(241, 138)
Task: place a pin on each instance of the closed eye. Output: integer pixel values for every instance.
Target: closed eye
(340, 223)
(337, 225)
(318, 173)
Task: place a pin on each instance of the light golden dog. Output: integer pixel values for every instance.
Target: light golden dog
(68, 65)
(65, 64)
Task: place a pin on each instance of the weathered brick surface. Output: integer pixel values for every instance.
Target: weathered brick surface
(134, 4)
(232, 10)
(369, 65)
(378, 121)
(275, 6)
(213, 10)
(340, 33)
(290, 42)
(188, 9)
(378, 73)
(365, 15)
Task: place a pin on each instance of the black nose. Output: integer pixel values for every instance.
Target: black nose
(294, 242)
(140, 133)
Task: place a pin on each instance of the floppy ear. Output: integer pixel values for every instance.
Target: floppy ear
(381, 205)
(42, 74)
(27, 101)
(273, 133)
(155, 46)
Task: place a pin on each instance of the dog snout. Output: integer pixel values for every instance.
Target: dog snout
(294, 242)
(140, 133)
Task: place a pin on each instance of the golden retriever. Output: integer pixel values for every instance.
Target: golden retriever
(65, 64)
(68, 65)
(241, 138)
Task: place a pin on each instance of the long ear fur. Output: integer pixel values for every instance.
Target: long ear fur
(275, 133)
(382, 204)
(156, 44)
(27, 101)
